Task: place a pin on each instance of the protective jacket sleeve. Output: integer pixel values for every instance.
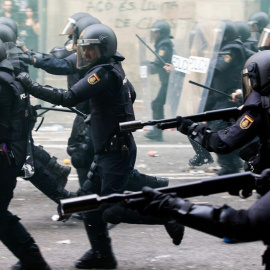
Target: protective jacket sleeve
(223, 221)
(56, 66)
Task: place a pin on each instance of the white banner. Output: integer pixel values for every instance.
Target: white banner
(193, 63)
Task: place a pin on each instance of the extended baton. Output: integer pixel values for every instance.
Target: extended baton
(210, 88)
(70, 110)
(151, 50)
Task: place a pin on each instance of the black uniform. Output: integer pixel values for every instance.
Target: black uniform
(14, 126)
(226, 78)
(80, 144)
(223, 221)
(164, 48)
(249, 125)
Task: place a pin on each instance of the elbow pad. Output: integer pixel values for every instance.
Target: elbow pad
(52, 95)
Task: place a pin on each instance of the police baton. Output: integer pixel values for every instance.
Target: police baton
(162, 61)
(70, 110)
(209, 88)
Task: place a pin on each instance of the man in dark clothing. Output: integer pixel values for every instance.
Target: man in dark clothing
(227, 78)
(161, 35)
(80, 145)
(257, 21)
(223, 221)
(244, 34)
(15, 128)
(111, 96)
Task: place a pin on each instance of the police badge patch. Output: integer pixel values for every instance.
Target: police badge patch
(246, 122)
(161, 52)
(93, 79)
(227, 58)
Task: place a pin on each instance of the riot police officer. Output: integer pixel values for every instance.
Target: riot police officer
(14, 126)
(244, 33)
(48, 175)
(110, 93)
(257, 21)
(161, 35)
(227, 78)
(80, 145)
(223, 221)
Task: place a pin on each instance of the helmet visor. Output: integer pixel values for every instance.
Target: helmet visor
(246, 85)
(154, 34)
(68, 27)
(88, 52)
(264, 42)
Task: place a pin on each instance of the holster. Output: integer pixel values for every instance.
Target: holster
(118, 143)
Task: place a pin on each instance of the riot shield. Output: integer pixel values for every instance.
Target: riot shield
(150, 83)
(204, 42)
(180, 62)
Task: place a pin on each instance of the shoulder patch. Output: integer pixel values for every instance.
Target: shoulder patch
(246, 122)
(227, 58)
(161, 52)
(69, 47)
(93, 79)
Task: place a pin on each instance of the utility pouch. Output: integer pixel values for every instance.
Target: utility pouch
(5, 156)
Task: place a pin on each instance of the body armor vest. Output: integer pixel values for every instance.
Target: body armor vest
(18, 127)
(106, 114)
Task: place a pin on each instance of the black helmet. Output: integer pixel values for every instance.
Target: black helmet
(243, 30)
(68, 27)
(4, 63)
(264, 42)
(162, 28)
(100, 40)
(63, 52)
(230, 31)
(6, 34)
(259, 20)
(256, 74)
(10, 23)
(81, 24)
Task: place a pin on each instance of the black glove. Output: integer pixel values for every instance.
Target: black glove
(185, 124)
(27, 58)
(25, 79)
(156, 203)
(265, 182)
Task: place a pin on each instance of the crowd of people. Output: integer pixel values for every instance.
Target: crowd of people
(105, 157)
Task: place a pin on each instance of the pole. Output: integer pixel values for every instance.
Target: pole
(151, 50)
(209, 88)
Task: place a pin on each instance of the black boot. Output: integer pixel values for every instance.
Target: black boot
(100, 256)
(137, 180)
(175, 230)
(229, 163)
(30, 259)
(155, 135)
(202, 155)
(50, 163)
(18, 266)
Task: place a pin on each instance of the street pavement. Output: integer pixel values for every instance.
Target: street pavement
(136, 246)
